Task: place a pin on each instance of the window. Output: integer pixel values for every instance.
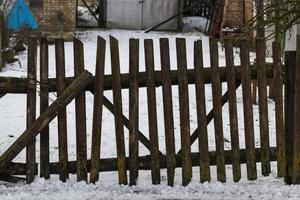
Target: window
(36, 3)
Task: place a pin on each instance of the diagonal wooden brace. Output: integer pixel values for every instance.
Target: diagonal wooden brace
(142, 138)
(210, 115)
(77, 86)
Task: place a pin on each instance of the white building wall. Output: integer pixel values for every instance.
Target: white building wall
(141, 14)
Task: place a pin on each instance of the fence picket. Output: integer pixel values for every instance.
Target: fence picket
(248, 112)
(201, 113)
(168, 109)
(44, 99)
(152, 112)
(184, 112)
(97, 111)
(80, 113)
(217, 108)
(133, 109)
(62, 116)
(117, 97)
(234, 132)
(296, 128)
(31, 107)
(280, 136)
(263, 106)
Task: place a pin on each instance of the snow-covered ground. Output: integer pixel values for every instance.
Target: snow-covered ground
(13, 121)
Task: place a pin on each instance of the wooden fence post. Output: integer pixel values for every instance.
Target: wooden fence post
(44, 104)
(80, 112)
(201, 113)
(217, 109)
(184, 112)
(133, 109)
(62, 117)
(234, 131)
(98, 109)
(263, 106)
(280, 135)
(117, 97)
(31, 106)
(152, 112)
(290, 66)
(168, 109)
(296, 135)
(248, 111)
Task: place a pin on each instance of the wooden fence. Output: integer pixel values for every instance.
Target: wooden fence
(74, 88)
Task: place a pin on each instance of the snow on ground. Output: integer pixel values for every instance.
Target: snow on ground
(13, 121)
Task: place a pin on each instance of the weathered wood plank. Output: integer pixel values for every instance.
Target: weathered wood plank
(144, 163)
(280, 135)
(44, 104)
(168, 109)
(184, 112)
(263, 106)
(201, 113)
(296, 136)
(217, 109)
(152, 111)
(31, 106)
(117, 97)
(248, 111)
(18, 85)
(133, 110)
(98, 110)
(80, 114)
(62, 117)
(289, 101)
(234, 131)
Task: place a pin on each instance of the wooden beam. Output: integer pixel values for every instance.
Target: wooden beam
(144, 162)
(19, 85)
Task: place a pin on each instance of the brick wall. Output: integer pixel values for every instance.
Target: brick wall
(56, 16)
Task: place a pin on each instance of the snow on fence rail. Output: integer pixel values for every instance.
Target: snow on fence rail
(74, 88)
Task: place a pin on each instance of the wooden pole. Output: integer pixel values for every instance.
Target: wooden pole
(117, 96)
(279, 117)
(289, 99)
(133, 109)
(44, 104)
(58, 106)
(18, 85)
(62, 117)
(98, 109)
(152, 112)
(201, 113)
(168, 109)
(217, 105)
(80, 112)
(184, 112)
(263, 105)
(248, 111)
(31, 106)
(296, 136)
(234, 130)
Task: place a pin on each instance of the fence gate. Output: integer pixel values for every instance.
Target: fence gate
(74, 88)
